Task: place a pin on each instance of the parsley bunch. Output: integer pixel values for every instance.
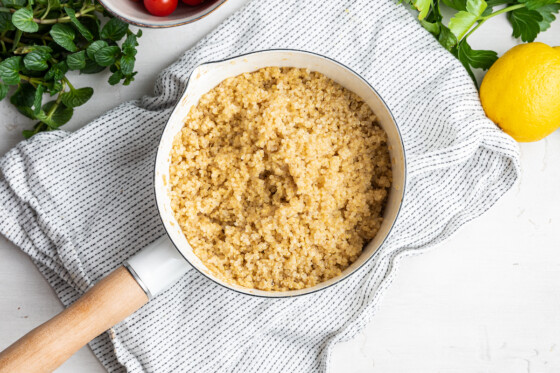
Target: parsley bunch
(527, 18)
(41, 40)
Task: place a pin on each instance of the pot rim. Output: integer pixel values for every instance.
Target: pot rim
(275, 294)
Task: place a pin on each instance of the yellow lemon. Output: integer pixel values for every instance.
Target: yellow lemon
(521, 91)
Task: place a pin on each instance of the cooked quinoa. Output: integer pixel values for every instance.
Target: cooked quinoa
(279, 178)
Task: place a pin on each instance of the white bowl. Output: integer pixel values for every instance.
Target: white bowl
(135, 13)
(207, 76)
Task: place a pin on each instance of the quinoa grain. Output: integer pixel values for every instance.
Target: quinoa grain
(279, 178)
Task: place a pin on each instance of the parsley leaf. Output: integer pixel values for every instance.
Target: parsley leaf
(525, 23)
(423, 6)
(535, 4)
(456, 4)
(547, 12)
(465, 19)
(480, 59)
(527, 18)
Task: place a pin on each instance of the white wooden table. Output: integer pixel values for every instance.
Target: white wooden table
(487, 300)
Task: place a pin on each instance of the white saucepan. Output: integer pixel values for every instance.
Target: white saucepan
(162, 263)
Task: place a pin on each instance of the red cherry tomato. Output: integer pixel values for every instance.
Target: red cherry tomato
(160, 8)
(193, 2)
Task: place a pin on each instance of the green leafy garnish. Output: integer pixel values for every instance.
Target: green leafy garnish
(9, 70)
(77, 97)
(527, 17)
(114, 30)
(23, 20)
(42, 40)
(525, 23)
(37, 59)
(107, 56)
(76, 61)
(547, 12)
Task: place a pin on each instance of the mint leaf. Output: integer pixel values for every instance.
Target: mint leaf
(60, 116)
(81, 28)
(127, 64)
(14, 4)
(44, 39)
(38, 99)
(525, 23)
(57, 71)
(9, 70)
(3, 91)
(54, 4)
(91, 67)
(94, 47)
(107, 55)
(92, 24)
(23, 20)
(64, 36)
(116, 77)
(27, 134)
(23, 99)
(114, 30)
(131, 41)
(77, 97)
(6, 22)
(55, 88)
(36, 60)
(76, 61)
(128, 79)
(547, 12)
(480, 59)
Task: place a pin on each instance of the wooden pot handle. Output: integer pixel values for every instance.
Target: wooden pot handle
(46, 347)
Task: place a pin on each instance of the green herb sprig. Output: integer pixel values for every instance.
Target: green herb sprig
(527, 18)
(42, 40)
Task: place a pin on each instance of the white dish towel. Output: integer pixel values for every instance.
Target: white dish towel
(81, 203)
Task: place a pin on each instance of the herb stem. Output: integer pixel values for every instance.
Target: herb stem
(38, 128)
(35, 36)
(68, 83)
(65, 19)
(46, 10)
(505, 10)
(57, 102)
(498, 12)
(30, 79)
(474, 28)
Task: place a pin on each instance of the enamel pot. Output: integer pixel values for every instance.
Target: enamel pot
(161, 264)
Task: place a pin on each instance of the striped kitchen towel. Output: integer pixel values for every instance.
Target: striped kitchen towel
(81, 203)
